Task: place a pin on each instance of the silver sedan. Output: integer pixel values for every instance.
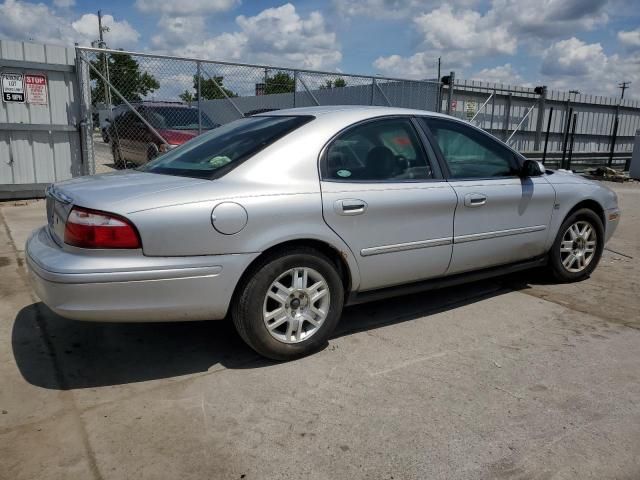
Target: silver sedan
(280, 219)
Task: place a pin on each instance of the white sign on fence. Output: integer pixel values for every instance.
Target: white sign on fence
(12, 87)
(471, 109)
(36, 89)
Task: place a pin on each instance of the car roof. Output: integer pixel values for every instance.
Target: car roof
(365, 111)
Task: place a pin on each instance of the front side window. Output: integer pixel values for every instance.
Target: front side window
(381, 150)
(213, 154)
(469, 153)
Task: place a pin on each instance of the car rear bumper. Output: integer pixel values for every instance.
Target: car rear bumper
(127, 286)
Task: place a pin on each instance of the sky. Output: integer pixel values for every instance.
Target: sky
(585, 45)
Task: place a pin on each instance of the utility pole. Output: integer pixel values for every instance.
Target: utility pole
(100, 30)
(102, 44)
(623, 86)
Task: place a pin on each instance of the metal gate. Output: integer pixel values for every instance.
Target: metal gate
(40, 118)
(145, 104)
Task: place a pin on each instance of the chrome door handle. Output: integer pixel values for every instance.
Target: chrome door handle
(350, 207)
(475, 200)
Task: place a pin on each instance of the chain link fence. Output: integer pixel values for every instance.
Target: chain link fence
(143, 105)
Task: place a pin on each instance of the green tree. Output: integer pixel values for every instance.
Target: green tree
(328, 85)
(211, 88)
(187, 97)
(337, 83)
(124, 74)
(279, 82)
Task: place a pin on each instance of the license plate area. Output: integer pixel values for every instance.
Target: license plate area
(56, 218)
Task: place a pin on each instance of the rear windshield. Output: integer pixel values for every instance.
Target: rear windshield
(215, 153)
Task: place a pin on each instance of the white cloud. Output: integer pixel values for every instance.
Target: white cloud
(280, 33)
(64, 3)
(185, 7)
(573, 64)
(464, 31)
(120, 34)
(573, 57)
(226, 46)
(177, 31)
(37, 22)
(419, 65)
(630, 39)
(278, 36)
(460, 37)
(385, 9)
(505, 74)
(548, 18)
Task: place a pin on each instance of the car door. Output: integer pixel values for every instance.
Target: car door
(383, 194)
(500, 217)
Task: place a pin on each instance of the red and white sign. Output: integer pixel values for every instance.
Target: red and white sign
(36, 86)
(454, 104)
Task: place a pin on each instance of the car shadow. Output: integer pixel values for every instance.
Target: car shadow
(55, 353)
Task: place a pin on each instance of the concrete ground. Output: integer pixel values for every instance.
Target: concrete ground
(514, 378)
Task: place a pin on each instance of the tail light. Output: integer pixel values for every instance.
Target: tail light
(94, 229)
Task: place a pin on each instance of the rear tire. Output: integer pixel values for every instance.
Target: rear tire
(118, 162)
(578, 246)
(289, 304)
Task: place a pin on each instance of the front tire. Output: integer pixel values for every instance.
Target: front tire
(578, 246)
(289, 305)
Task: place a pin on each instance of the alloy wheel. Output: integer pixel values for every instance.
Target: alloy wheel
(578, 246)
(296, 305)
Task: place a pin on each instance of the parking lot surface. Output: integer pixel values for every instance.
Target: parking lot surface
(516, 377)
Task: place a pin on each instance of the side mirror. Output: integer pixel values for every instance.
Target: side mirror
(531, 168)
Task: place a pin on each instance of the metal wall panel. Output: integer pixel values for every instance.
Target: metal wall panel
(41, 151)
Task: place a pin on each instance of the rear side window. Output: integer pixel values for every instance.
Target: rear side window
(215, 153)
(469, 153)
(380, 150)
(176, 118)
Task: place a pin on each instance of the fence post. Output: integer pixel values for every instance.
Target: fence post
(199, 94)
(540, 119)
(295, 86)
(373, 90)
(573, 133)
(614, 137)
(452, 78)
(88, 166)
(566, 136)
(493, 109)
(507, 116)
(546, 137)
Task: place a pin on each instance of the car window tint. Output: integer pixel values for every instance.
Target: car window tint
(218, 151)
(382, 150)
(469, 153)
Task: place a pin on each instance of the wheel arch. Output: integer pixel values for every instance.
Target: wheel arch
(590, 204)
(338, 257)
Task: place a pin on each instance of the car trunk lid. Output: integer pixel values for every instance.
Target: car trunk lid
(118, 192)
